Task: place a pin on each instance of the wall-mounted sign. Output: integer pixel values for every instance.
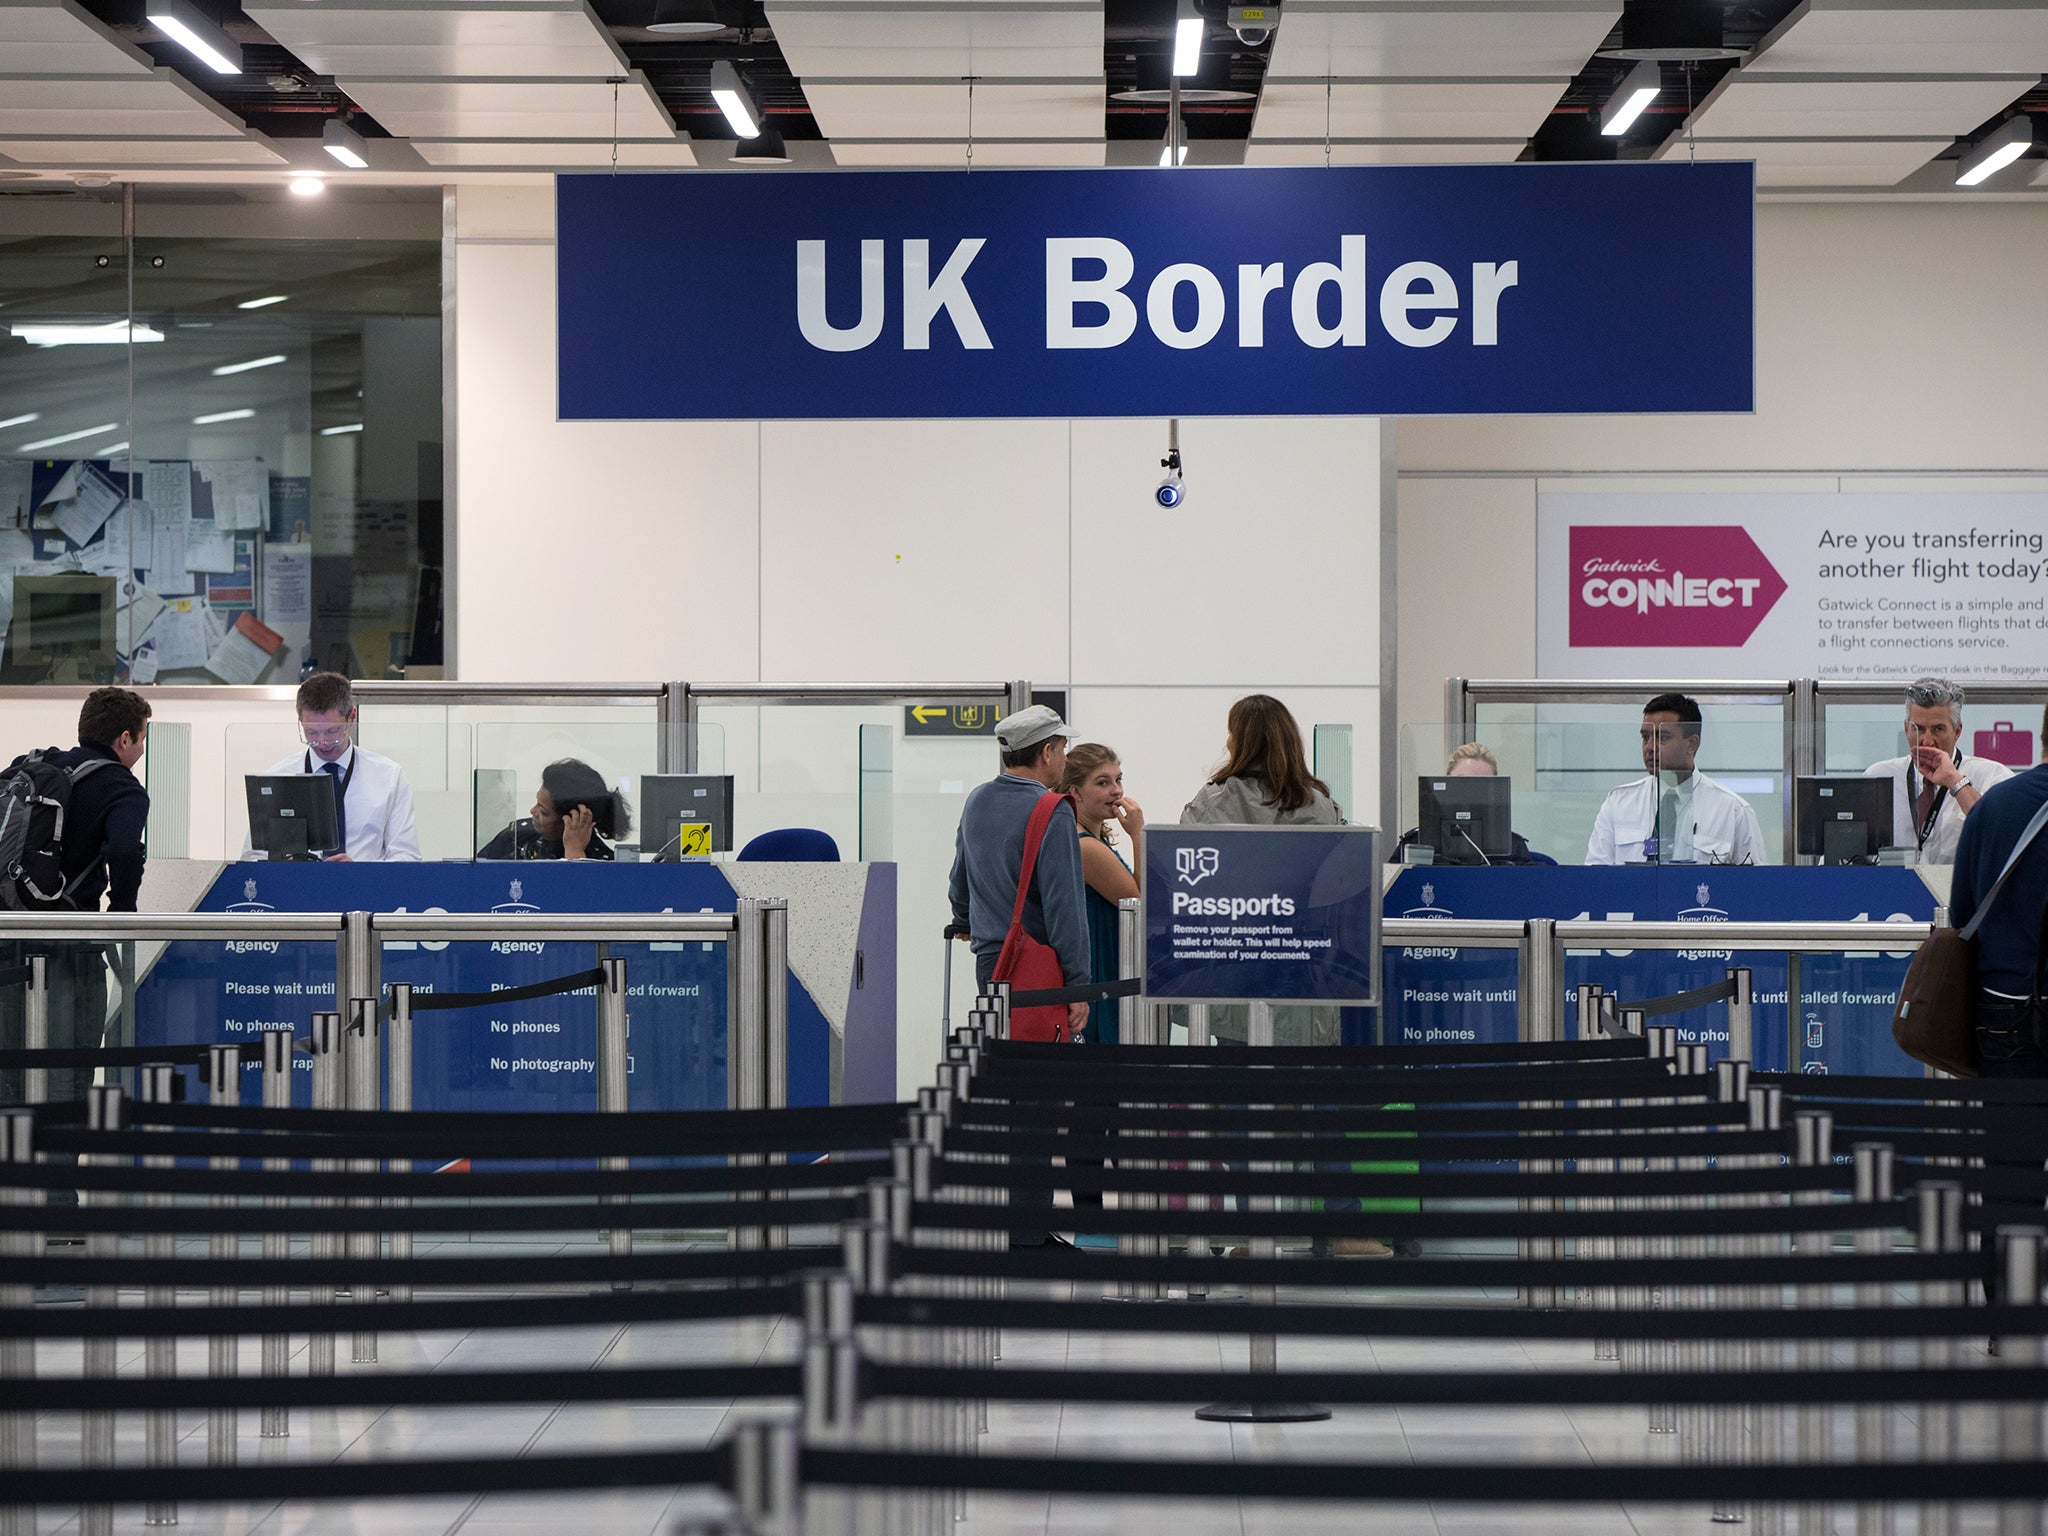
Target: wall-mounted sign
(950, 719)
(1374, 290)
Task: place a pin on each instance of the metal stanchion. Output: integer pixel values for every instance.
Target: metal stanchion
(1742, 1015)
(1684, 1357)
(328, 1066)
(1724, 1422)
(223, 1351)
(156, 1084)
(35, 1027)
(18, 1356)
(1763, 1424)
(363, 1046)
(2019, 1423)
(775, 1025)
(398, 1099)
(1873, 1173)
(1939, 1212)
(1637, 1354)
(1539, 1016)
(1131, 1030)
(612, 1097)
(275, 1423)
(765, 1482)
(1814, 1143)
(105, 1110)
(831, 1386)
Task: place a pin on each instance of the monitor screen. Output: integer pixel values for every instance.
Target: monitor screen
(683, 815)
(1466, 818)
(292, 815)
(66, 620)
(1844, 818)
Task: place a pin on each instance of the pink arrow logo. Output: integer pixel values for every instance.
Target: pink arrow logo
(1685, 586)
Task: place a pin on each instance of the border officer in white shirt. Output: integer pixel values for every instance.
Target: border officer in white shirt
(1934, 785)
(373, 799)
(1674, 814)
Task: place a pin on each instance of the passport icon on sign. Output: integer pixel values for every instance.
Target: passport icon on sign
(1194, 865)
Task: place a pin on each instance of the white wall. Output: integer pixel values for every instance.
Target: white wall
(902, 551)
(1906, 337)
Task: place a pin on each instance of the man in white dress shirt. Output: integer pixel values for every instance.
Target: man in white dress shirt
(1674, 814)
(373, 799)
(1934, 785)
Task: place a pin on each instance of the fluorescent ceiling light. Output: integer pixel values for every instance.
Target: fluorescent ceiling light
(219, 416)
(1187, 40)
(254, 363)
(307, 186)
(69, 437)
(1629, 100)
(183, 24)
(113, 448)
(1995, 151)
(264, 302)
(21, 421)
(1167, 156)
(734, 100)
(354, 426)
(111, 333)
(345, 144)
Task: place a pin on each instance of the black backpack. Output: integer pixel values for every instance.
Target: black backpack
(35, 799)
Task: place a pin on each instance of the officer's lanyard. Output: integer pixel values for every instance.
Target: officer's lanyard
(341, 785)
(1922, 833)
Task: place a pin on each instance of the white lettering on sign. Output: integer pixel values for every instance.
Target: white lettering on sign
(1064, 292)
(1349, 277)
(924, 296)
(810, 299)
(1232, 906)
(1678, 590)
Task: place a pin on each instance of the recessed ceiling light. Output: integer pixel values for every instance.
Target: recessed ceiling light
(21, 421)
(109, 451)
(111, 333)
(242, 414)
(69, 437)
(1167, 156)
(344, 144)
(263, 303)
(734, 100)
(250, 366)
(183, 24)
(354, 426)
(1631, 98)
(1187, 39)
(1995, 151)
(92, 181)
(307, 186)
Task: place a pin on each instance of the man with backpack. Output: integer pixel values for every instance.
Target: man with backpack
(71, 835)
(2010, 1007)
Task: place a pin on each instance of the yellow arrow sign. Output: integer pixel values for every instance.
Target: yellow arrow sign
(926, 713)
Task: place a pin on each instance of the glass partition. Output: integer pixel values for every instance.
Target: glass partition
(513, 758)
(1332, 753)
(1856, 730)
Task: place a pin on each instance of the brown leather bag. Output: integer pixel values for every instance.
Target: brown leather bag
(1935, 1021)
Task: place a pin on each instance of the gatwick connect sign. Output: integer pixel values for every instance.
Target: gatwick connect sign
(1369, 291)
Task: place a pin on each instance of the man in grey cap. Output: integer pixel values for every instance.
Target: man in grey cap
(989, 851)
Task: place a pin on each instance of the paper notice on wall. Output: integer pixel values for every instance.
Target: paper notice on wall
(66, 486)
(108, 555)
(209, 548)
(168, 533)
(181, 636)
(241, 491)
(288, 583)
(17, 548)
(1826, 584)
(17, 487)
(142, 669)
(244, 651)
(80, 517)
(137, 614)
(167, 486)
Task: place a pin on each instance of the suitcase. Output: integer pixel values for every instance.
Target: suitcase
(953, 931)
(2003, 744)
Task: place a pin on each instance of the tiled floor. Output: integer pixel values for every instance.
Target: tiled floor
(1589, 1436)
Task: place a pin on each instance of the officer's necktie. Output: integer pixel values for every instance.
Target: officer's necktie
(333, 771)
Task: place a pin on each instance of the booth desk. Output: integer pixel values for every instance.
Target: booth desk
(1438, 995)
(540, 1055)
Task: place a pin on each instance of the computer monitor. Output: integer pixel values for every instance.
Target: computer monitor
(685, 814)
(1466, 818)
(292, 815)
(1844, 818)
(63, 625)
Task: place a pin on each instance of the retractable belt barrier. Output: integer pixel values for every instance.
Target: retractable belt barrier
(1692, 1224)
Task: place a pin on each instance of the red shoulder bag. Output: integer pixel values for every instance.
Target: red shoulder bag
(1026, 964)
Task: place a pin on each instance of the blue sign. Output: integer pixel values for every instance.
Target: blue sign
(1375, 290)
(1270, 914)
(1444, 993)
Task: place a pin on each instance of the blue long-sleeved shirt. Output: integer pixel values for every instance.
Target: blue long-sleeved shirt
(2011, 935)
(988, 852)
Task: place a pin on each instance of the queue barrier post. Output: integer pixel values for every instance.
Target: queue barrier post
(1763, 1423)
(105, 1110)
(1539, 1015)
(765, 1477)
(1742, 1014)
(775, 1001)
(156, 1083)
(275, 1423)
(613, 1063)
(1724, 1422)
(35, 1028)
(398, 1099)
(2019, 1423)
(328, 1066)
(1938, 1229)
(364, 1047)
(1813, 1132)
(1872, 1162)
(18, 1356)
(223, 1351)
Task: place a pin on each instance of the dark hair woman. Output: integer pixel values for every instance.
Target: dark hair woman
(572, 808)
(1264, 778)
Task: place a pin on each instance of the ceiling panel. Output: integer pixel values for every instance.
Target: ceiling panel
(524, 154)
(1886, 36)
(61, 38)
(512, 108)
(1384, 151)
(1435, 110)
(1432, 37)
(1031, 38)
(1818, 162)
(1785, 106)
(952, 154)
(502, 38)
(1035, 110)
(109, 151)
(161, 102)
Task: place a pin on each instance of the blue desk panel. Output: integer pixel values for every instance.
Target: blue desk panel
(538, 1055)
(1438, 994)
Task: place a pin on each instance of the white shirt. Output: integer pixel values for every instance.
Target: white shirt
(1940, 847)
(377, 809)
(1713, 826)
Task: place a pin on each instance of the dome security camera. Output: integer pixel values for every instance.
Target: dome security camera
(1170, 492)
(1253, 24)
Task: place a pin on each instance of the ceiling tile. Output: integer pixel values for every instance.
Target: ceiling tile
(106, 150)
(1950, 37)
(161, 102)
(1384, 151)
(547, 154)
(445, 38)
(932, 109)
(1431, 37)
(1818, 162)
(1435, 110)
(1784, 106)
(40, 37)
(941, 40)
(512, 108)
(952, 154)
